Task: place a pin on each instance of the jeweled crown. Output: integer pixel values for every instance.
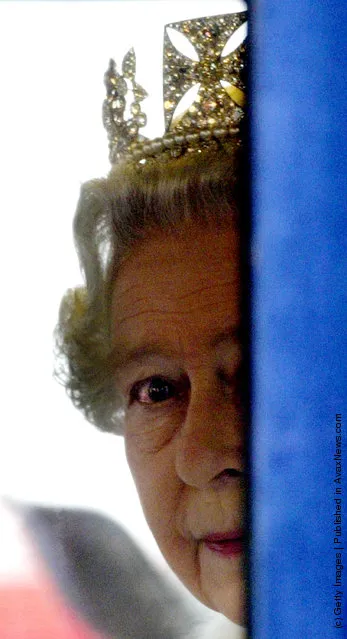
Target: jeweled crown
(217, 109)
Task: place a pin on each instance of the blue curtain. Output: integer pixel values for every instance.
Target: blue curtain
(298, 247)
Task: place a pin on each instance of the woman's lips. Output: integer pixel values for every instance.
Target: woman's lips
(227, 544)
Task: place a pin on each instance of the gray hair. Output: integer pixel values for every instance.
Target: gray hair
(113, 215)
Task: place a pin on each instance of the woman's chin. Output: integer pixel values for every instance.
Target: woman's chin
(223, 585)
(232, 606)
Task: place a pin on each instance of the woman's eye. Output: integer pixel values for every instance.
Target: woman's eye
(153, 391)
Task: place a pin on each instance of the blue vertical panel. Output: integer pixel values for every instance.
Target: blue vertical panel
(298, 123)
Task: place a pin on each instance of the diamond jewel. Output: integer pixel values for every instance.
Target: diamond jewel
(214, 111)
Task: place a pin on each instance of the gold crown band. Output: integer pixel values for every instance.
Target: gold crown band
(216, 111)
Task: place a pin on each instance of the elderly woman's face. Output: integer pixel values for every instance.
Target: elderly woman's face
(177, 319)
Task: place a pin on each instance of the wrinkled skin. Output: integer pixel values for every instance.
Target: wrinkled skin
(176, 318)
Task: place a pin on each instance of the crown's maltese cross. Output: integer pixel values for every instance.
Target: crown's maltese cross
(204, 88)
(205, 84)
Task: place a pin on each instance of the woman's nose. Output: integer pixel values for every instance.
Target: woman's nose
(210, 444)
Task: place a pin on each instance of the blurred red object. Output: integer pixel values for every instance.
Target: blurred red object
(31, 606)
(35, 612)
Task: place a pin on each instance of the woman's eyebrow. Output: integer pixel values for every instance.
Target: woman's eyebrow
(230, 334)
(125, 357)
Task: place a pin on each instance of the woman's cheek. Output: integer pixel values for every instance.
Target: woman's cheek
(150, 452)
(149, 428)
